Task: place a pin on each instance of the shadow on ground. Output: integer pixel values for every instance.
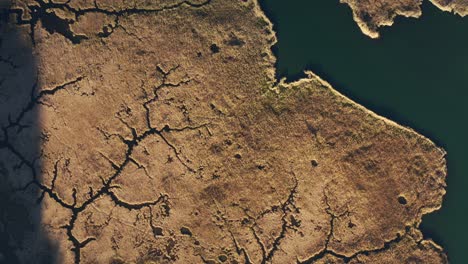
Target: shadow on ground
(22, 238)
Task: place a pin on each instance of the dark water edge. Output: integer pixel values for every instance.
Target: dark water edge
(416, 74)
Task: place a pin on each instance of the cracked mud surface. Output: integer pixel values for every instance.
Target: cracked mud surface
(370, 15)
(156, 132)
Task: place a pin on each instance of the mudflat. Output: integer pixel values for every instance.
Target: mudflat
(157, 132)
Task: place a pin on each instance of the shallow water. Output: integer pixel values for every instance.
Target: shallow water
(415, 74)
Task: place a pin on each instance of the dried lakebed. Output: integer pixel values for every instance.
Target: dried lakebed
(157, 132)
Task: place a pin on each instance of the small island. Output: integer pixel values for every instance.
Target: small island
(370, 15)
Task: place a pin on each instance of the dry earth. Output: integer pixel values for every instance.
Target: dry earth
(370, 15)
(156, 132)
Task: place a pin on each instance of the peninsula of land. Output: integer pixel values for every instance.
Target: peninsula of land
(157, 132)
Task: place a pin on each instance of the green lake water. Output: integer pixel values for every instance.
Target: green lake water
(416, 74)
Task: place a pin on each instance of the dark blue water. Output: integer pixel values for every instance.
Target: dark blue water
(416, 74)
